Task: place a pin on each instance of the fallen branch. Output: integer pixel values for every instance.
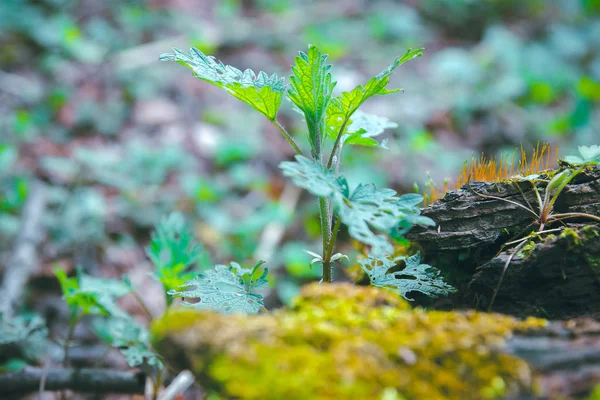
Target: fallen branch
(23, 261)
(86, 380)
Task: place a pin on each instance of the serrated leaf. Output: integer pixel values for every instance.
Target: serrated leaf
(310, 90)
(344, 106)
(91, 295)
(173, 250)
(415, 277)
(589, 155)
(29, 333)
(365, 127)
(369, 213)
(262, 92)
(314, 177)
(131, 338)
(372, 213)
(226, 290)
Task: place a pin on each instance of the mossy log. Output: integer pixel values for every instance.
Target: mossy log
(557, 277)
(340, 341)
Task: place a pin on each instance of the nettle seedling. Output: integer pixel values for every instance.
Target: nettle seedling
(332, 122)
(543, 212)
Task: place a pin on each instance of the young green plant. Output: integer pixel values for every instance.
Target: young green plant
(332, 122)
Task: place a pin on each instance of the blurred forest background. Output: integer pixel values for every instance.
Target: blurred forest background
(121, 139)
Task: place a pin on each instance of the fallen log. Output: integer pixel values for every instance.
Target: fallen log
(559, 278)
(86, 380)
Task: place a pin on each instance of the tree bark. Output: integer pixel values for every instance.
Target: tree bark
(559, 278)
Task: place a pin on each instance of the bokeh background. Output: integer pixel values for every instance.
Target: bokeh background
(122, 139)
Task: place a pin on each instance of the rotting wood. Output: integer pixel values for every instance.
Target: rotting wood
(472, 230)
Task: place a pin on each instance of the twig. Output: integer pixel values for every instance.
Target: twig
(506, 264)
(23, 261)
(180, 384)
(87, 380)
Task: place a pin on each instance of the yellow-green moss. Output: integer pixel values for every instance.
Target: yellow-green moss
(527, 249)
(346, 342)
(569, 233)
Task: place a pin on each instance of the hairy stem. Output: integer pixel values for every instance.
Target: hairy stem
(337, 142)
(287, 136)
(333, 238)
(74, 320)
(326, 234)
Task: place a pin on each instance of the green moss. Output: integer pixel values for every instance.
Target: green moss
(594, 263)
(591, 230)
(346, 342)
(569, 233)
(527, 249)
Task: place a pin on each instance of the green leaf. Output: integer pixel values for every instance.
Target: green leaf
(226, 289)
(173, 250)
(262, 92)
(589, 155)
(559, 181)
(364, 128)
(314, 177)
(342, 107)
(131, 338)
(415, 277)
(28, 332)
(310, 90)
(371, 214)
(90, 295)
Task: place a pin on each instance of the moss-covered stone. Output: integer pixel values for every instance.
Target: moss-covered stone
(347, 342)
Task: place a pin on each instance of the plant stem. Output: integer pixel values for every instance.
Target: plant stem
(336, 144)
(332, 239)
(156, 384)
(143, 305)
(287, 136)
(326, 234)
(74, 320)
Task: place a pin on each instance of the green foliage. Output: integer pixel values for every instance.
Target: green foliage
(415, 277)
(370, 214)
(173, 250)
(92, 296)
(364, 127)
(262, 92)
(131, 338)
(316, 178)
(344, 106)
(29, 332)
(370, 210)
(310, 90)
(587, 155)
(367, 211)
(226, 289)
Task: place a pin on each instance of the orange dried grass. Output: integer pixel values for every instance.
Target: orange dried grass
(485, 169)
